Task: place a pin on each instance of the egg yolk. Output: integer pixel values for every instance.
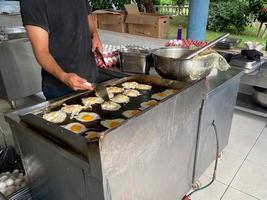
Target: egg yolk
(151, 103)
(76, 128)
(162, 94)
(135, 112)
(87, 117)
(114, 124)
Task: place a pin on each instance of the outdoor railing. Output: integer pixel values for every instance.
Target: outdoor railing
(172, 10)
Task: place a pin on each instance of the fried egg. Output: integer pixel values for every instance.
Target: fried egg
(131, 113)
(93, 135)
(55, 117)
(130, 85)
(148, 104)
(115, 90)
(92, 101)
(132, 93)
(120, 98)
(144, 87)
(112, 123)
(74, 109)
(162, 95)
(110, 95)
(75, 127)
(87, 117)
(110, 106)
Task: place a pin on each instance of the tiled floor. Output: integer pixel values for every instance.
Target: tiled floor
(242, 170)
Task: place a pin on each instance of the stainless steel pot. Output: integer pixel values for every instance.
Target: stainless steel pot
(168, 64)
(260, 96)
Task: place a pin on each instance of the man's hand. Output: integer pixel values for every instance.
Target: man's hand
(96, 43)
(75, 82)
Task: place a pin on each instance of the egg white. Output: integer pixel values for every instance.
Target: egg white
(110, 123)
(82, 115)
(110, 106)
(71, 125)
(55, 117)
(120, 98)
(144, 87)
(115, 90)
(130, 113)
(132, 93)
(148, 104)
(92, 101)
(130, 85)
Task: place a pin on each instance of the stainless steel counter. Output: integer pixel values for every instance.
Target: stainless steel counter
(161, 150)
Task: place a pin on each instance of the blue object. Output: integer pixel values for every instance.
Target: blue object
(179, 32)
(198, 18)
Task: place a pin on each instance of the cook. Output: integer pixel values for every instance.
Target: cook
(63, 38)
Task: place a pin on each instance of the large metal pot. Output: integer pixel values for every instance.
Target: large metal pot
(169, 65)
(260, 96)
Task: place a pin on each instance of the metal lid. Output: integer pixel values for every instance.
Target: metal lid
(12, 33)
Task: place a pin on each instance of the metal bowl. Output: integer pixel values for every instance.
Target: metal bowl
(260, 96)
(168, 64)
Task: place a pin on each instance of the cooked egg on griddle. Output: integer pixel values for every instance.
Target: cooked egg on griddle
(131, 113)
(92, 101)
(75, 127)
(110, 106)
(87, 117)
(130, 85)
(120, 98)
(115, 90)
(74, 109)
(162, 95)
(112, 123)
(93, 135)
(148, 104)
(132, 93)
(110, 95)
(55, 117)
(144, 87)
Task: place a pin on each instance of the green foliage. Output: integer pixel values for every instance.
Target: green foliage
(170, 2)
(105, 4)
(228, 16)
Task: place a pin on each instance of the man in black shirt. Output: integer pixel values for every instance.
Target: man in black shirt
(63, 36)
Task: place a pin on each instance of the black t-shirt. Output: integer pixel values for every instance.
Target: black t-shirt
(66, 22)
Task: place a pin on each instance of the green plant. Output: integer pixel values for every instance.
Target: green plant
(228, 16)
(105, 4)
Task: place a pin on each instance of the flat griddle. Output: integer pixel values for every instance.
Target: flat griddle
(78, 141)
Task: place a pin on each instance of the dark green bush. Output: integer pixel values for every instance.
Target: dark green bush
(105, 4)
(228, 16)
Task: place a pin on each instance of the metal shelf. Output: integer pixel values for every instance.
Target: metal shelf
(246, 103)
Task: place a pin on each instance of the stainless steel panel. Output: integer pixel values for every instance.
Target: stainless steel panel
(20, 73)
(11, 33)
(217, 106)
(55, 172)
(152, 156)
(142, 159)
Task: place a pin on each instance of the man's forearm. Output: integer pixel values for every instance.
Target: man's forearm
(49, 64)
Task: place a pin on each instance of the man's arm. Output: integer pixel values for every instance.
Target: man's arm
(40, 44)
(96, 42)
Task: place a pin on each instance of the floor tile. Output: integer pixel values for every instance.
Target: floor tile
(252, 179)
(228, 165)
(233, 194)
(258, 153)
(245, 122)
(214, 192)
(245, 130)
